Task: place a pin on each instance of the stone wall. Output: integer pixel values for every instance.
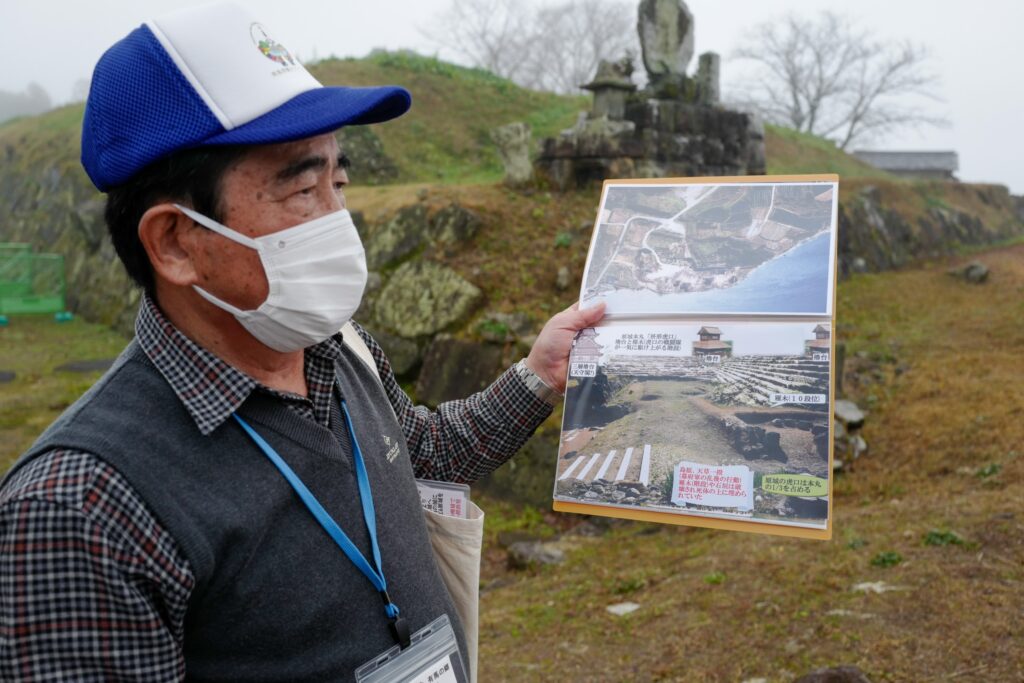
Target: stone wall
(658, 138)
(877, 232)
(49, 202)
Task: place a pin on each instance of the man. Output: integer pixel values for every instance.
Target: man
(153, 532)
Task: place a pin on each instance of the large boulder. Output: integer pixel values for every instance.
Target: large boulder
(505, 327)
(374, 282)
(423, 298)
(453, 368)
(397, 238)
(454, 224)
(974, 272)
(525, 554)
(404, 355)
(370, 165)
(849, 414)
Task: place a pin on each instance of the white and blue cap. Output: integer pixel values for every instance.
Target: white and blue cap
(210, 75)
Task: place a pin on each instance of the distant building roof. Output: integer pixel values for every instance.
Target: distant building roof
(823, 327)
(709, 330)
(909, 161)
(711, 345)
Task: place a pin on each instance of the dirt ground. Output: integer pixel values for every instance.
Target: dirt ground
(923, 579)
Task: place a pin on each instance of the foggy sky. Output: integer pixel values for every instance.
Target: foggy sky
(975, 47)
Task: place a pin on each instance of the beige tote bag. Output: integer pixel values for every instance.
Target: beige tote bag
(456, 542)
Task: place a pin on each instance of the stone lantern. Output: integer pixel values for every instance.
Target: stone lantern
(611, 86)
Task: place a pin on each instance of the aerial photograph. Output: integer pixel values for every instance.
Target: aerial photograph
(719, 419)
(706, 248)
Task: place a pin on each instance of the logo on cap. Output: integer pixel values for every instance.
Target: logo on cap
(270, 48)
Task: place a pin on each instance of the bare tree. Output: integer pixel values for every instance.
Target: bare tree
(490, 34)
(571, 38)
(555, 47)
(830, 78)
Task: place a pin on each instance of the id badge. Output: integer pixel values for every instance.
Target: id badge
(432, 657)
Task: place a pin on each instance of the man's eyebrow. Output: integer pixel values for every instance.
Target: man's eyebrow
(300, 166)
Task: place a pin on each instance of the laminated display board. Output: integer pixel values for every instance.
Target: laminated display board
(705, 395)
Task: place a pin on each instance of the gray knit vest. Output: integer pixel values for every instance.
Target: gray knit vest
(275, 599)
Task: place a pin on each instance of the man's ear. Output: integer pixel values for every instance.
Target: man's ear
(167, 235)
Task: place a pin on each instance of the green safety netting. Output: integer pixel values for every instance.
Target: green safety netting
(30, 283)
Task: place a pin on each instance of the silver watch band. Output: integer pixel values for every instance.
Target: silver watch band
(535, 384)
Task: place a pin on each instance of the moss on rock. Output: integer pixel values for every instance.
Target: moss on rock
(424, 298)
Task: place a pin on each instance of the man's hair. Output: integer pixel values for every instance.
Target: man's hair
(190, 177)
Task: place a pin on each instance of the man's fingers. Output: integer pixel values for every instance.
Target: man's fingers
(576, 319)
(572, 318)
(593, 314)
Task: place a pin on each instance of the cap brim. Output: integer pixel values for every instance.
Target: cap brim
(318, 111)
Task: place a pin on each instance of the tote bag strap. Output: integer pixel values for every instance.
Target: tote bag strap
(457, 543)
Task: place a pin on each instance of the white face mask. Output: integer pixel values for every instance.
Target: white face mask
(316, 272)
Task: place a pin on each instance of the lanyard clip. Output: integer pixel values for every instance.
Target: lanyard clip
(398, 626)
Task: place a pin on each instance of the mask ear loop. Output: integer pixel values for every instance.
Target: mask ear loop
(227, 232)
(221, 230)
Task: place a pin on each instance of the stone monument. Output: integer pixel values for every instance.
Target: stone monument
(675, 126)
(513, 142)
(666, 39)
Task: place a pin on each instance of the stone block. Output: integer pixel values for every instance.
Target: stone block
(454, 224)
(404, 355)
(453, 368)
(398, 237)
(423, 298)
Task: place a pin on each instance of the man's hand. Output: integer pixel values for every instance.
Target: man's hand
(549, 357)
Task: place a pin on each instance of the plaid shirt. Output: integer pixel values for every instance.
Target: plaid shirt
(92, 588)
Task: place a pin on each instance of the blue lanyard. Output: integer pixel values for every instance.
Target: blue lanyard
(399, 629)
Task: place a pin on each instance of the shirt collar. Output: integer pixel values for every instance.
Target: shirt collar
(210, 389)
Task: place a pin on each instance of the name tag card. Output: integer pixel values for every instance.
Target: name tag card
(444, 498)
(432, 657)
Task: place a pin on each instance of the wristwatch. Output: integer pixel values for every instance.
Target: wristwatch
(536, 385)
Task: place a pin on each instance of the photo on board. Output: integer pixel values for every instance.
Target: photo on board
(718, 418)
(713, 248)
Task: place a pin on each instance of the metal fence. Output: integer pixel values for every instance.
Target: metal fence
(30, 283)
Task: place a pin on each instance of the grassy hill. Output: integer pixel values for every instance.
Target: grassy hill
(445, 136)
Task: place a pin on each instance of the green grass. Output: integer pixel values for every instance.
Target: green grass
(886, 559)
(939, 537)
(445, 137)
(789, 151)
(33, 346)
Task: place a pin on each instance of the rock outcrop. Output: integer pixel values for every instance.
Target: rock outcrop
(877, 233)
(423, 298)
(454, 368)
